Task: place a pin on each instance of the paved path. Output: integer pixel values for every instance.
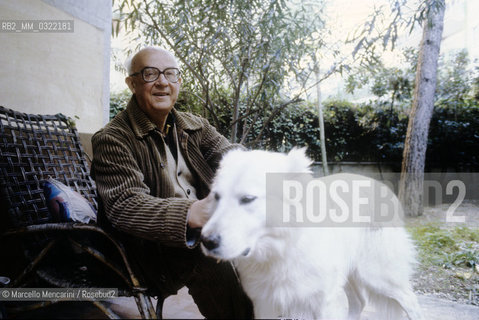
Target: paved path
(182, 306)
(434, 308)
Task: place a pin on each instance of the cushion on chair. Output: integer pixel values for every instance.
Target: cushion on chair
(65, 204)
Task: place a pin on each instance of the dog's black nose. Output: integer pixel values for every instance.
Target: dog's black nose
(211, 243)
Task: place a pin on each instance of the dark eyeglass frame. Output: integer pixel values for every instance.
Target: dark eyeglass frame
(142, 72)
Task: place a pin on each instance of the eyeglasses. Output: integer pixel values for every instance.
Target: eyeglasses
(150, 74)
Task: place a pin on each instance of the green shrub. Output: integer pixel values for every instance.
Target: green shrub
(118, 102)
(447, 247)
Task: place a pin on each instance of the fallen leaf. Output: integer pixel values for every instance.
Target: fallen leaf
(464, 275)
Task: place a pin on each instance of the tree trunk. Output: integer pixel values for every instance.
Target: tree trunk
(322, 137)
(414, 156)
(234, 130)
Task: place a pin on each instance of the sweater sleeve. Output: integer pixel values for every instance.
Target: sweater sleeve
(127, 201)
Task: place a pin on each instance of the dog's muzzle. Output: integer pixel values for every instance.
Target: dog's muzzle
(211, 243)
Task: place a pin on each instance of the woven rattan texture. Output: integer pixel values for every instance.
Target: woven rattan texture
(32, 148)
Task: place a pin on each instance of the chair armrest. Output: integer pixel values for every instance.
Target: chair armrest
(75, 226)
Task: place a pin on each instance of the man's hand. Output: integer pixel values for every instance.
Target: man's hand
(200, 211)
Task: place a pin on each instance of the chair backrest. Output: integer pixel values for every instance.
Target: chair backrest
(32, 148)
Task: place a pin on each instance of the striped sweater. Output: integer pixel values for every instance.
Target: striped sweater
(130, 168)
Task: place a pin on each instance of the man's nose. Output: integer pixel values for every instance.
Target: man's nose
(162, 80)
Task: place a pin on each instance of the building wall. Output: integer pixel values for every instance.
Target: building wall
(58, 72)
(461, 27)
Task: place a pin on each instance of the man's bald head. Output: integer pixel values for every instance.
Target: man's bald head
(133, 63)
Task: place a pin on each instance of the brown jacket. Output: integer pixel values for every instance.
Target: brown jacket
(131, 172)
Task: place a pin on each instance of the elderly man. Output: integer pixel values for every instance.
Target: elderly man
(152, 166)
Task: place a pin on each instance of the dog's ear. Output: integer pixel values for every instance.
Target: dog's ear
(298, 161)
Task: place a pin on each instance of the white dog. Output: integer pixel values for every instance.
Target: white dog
(299, 272)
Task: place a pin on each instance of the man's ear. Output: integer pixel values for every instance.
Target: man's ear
(131, 84)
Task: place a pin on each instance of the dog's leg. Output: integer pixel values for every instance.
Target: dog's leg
(408, 302)
(393, 300)
(385, 308)
(390, 290)
(356, 300)
(330, 306)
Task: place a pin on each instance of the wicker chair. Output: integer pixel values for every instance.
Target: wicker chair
(36, 250)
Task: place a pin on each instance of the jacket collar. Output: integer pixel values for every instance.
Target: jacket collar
(142, 125)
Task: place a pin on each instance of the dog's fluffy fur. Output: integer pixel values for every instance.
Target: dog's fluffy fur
(300, 272)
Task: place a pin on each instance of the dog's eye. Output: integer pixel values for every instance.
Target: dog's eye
(247, 199)
(217, 196)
